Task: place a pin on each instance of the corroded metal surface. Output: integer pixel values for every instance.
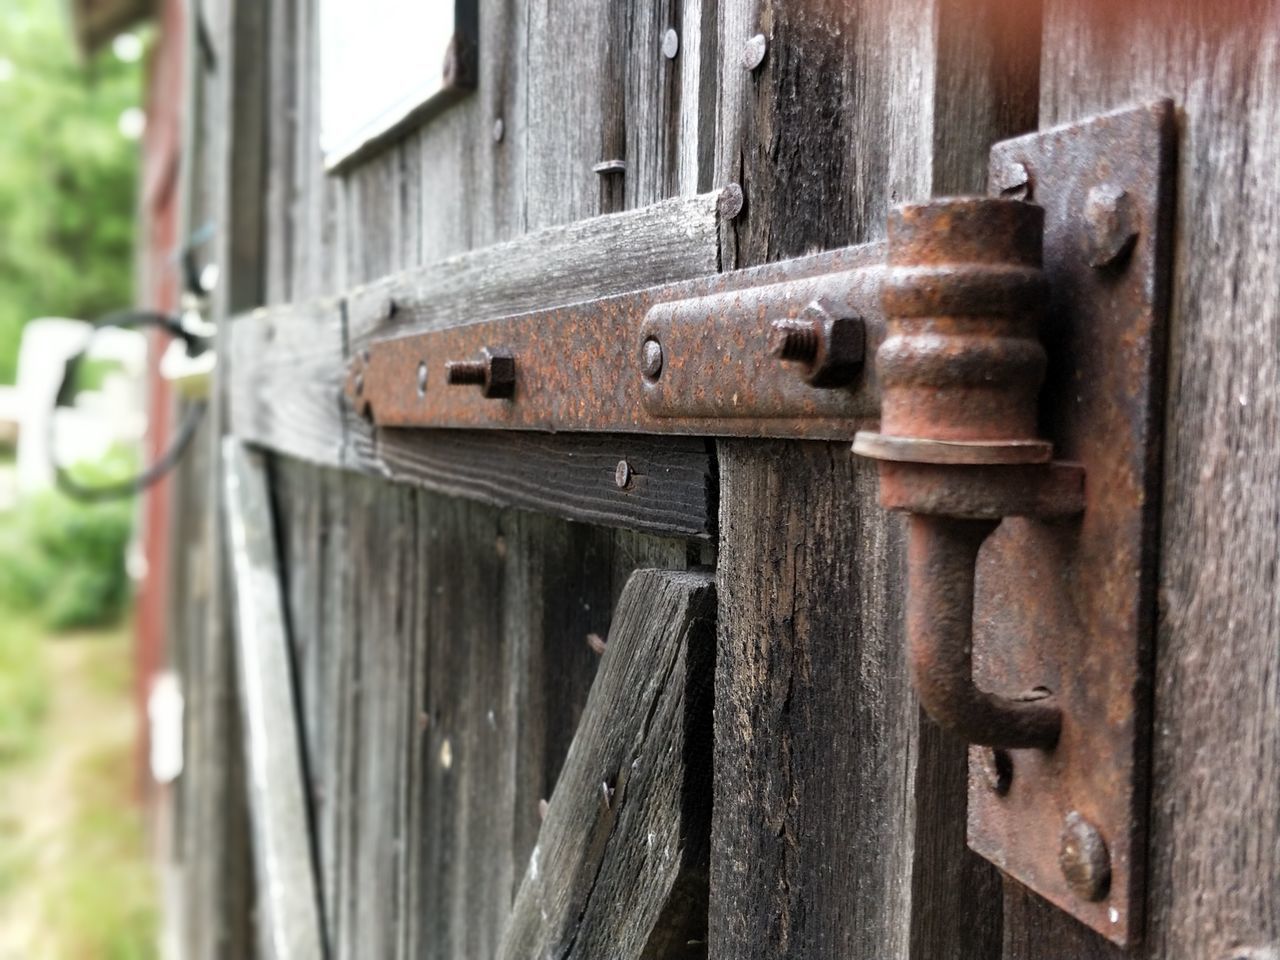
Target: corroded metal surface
(690, 358)
(1070, 605)
(1029, 581)
(960, 367)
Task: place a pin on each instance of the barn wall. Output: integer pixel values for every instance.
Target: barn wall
(441, 644)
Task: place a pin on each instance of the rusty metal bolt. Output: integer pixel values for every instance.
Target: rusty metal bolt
(1084, 859)
(829, 348)
(1111, 227)
(753, 52)
(494, 372)
(1012, 179)
(651, 360)
(670, 44)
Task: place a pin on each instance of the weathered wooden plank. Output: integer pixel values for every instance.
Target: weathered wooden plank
(672, 490)
(854, 107)
(228, 173)
(620, 868)
(671, 240)
(288, 366)
(1214, 844)
(288, 907)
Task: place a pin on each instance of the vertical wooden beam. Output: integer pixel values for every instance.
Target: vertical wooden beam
(839, 822)
(220, 889)
(1213, 888)
(288, 908)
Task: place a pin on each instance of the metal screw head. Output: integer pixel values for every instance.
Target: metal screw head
(499, 130)
(622, 475)
(651, 359)
(1084, 859)
(1110, 224)
(422, 379)
(753, 52)
(670, 43)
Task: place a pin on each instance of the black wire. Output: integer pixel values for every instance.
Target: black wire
(128, 319)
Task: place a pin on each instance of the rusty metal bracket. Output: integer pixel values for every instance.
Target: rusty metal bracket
(1013, 408)
(1032, 521)
(773, 351)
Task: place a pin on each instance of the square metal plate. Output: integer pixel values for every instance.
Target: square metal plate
(1069, 606)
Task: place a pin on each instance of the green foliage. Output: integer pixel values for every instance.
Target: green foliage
(104, 900)
(62, 561)
(67, 175)
(24, 694)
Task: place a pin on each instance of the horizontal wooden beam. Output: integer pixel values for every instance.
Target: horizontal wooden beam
(288, 363)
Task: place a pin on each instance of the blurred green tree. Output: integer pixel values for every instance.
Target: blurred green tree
(68, 173)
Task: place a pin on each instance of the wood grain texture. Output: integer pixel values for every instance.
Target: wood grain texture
(620, 868)
(839, 823)
(669, 240)
(288, 905)
(289, 364)
(430, 627)
(226, 181)
(1215, 807)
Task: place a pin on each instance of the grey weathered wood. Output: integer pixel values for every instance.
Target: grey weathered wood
(1214, 873)
(288, 370)
(421, 619)
(288, 907)
(839, 823)
(670, 240)
(620, 867)
(227, 176)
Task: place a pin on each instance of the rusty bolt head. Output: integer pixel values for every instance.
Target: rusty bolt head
(651, 360)
(670, 44)
(494, 372)
(622, 475)
(828, 348)
(1084, 859)
(1110, 223)
(1012, 179)
(753, 52)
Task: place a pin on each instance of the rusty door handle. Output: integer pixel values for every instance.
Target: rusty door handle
(960, 370)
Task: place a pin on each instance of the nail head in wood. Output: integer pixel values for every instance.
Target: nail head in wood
(753, 52)
(670, 43)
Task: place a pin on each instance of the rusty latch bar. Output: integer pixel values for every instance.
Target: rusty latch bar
(1018, 345)
(774, 351)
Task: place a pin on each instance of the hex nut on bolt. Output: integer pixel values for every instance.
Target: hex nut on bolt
(494, 372)
(1084, 859)
(829, 348)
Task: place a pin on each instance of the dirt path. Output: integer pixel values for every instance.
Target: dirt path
(87, 719)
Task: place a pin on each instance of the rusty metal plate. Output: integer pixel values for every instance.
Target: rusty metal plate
(1068, 605)
(585, 367)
